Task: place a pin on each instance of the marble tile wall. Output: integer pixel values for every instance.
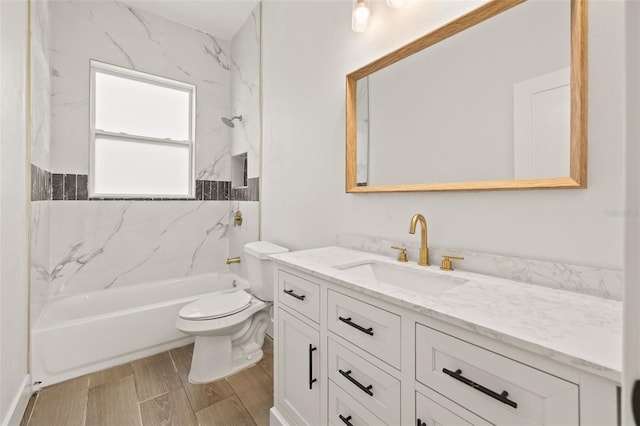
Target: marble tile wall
(245, 137)
(245, 91)
(600, 282)
(40, 84)
(82, 244)
(40, 249)
(115, 33)
(245, 233)
(41, 178)
(104, 244)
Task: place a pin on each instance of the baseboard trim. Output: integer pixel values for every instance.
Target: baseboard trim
(19, 404)
(276, 419)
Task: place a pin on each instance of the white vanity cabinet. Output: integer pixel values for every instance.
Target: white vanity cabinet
(377, 363)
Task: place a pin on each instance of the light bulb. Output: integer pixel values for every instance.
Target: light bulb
(360, 15)
(395, 3)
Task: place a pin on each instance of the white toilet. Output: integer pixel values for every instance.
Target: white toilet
(230, 327)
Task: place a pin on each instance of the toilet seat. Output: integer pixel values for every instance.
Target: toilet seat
(216, 306)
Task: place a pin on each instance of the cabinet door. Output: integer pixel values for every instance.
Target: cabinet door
(299, 370)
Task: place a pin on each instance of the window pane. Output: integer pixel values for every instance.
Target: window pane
(140, 168)
(134, 107)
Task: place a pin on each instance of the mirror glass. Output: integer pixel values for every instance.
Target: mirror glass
(488, 104)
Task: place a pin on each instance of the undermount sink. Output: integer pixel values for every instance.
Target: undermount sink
(425, 282)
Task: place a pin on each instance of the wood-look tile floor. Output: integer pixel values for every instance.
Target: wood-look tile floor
(156, 391)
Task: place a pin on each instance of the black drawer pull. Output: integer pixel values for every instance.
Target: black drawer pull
(345, 419)
(369, 330)
(311, 379)
(635, 401)
(502, 397)
(297, 296)
(363, 388)
(420, 423)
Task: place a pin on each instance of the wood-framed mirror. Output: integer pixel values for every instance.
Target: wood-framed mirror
(435, 116)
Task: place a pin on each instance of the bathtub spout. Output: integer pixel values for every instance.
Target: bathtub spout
(231, 260)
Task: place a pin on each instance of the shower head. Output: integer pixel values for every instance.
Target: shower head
(229, 121)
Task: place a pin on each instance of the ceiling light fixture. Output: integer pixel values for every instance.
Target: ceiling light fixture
(360, 15)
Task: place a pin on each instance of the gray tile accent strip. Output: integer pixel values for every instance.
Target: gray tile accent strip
(82, 190)
(68, 187)
(199, 186)
(40, 184)
(254, 189)
(57, 186)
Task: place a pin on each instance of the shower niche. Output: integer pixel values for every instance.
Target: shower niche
(239, 167)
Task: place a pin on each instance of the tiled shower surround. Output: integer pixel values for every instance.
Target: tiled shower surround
(81, 244)
(72, 187)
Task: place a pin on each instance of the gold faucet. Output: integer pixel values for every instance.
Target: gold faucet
(424, 251)
(446, 262)
(402, 256)
(233, 260)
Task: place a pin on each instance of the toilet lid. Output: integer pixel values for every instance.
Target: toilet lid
(216, 306)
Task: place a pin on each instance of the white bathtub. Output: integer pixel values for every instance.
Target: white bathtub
(88, 332)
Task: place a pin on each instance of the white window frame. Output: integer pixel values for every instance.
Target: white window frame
(96, 66)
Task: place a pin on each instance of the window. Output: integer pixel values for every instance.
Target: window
(142, 134)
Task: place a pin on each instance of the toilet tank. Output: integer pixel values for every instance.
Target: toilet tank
(260, 267)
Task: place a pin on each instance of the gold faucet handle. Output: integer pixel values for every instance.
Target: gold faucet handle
(446, 262)
(402, 256)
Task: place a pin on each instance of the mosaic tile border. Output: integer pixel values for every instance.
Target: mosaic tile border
(73, 187)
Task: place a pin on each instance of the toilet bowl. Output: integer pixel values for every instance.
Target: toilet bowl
(230, 327)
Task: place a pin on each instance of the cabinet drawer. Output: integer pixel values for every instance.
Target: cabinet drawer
(301, 295)
(499, 389)
(431, 413)
(344, 410)
(376, 390)
(373, 329)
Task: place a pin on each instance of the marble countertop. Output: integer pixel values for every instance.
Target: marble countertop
(580, 330)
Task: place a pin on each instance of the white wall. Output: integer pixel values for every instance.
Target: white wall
(631, 354)
(308, 48)
(13, 206)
